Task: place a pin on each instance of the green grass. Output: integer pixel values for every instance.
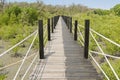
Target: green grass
(2, 77)
(108, 71)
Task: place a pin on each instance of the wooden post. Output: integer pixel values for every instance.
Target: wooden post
(66, 20)
(54, 21)
(86, 43)
(52, 26)
(70, 24)
(41, 41)
(75, 30)
(49, 37)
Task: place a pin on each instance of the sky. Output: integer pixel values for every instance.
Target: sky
(103, 4)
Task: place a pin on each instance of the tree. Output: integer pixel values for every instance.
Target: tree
(116, 9)
(101, 12)
(2, 3)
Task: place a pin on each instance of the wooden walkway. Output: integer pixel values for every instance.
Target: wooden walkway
(64, 59)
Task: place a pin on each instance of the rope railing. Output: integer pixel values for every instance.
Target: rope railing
(12, 64)
(25, 57)
(17, 44)
(105, 56)
(101, 53)
(111, 41)
(29, 67)
(99, 66)
(115, 57)
(81, 42)
(81, 34)
(45, 37)
(105, 38)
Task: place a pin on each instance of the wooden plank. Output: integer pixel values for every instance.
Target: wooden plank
(64, 58)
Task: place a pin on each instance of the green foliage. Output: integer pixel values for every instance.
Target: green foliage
(105, 25)
(4, 19)
(32, 15)
(101, 12)
(2, 77)
(107, 69)
(19, 20)
(108, 26)
(116, 9)
(16, 10)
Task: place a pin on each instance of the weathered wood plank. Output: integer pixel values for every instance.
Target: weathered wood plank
(64, 58)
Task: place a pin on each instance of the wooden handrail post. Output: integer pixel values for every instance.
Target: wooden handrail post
(86, 43)
(48, 26)
(52, 26)
(75, 30)
(41, 41)
(54, 21)
(70, 24)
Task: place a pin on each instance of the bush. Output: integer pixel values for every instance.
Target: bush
(2, 77)
(101, 12)
(116, 9)
(108, 71)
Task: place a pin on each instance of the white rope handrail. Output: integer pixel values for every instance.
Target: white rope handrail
(115, 57)
(102, 36)
(105, 56)
(80, 34)
(45, 35)
(45, 31)
(45, 28)
(102, 53)
(29, 67)
(81, 42)
(45, 39)
(16, 62)
(72, 28)
(105, 38)
(25, 57)
(81, 26)
(33, 71)
(17, 44)
(99, 66)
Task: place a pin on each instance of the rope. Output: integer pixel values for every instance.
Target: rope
(105, 38)
(25, 57)
(72, 28)
(81, 42)
(81, 26)
(18, 44)
(15, 62)
(31, 76)
(45, 40)
(102, 36)
(35, 73)
(99, 66)
(80, 34)
(29, 67)
(105, 56)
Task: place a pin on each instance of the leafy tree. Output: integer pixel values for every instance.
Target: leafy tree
(116, 9)
(4, 19)
(16, 10)
(101, 12)
(31, 14)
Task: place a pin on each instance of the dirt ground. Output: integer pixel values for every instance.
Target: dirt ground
(9, 59)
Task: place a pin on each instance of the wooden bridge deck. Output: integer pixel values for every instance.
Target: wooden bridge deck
(64, 59)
